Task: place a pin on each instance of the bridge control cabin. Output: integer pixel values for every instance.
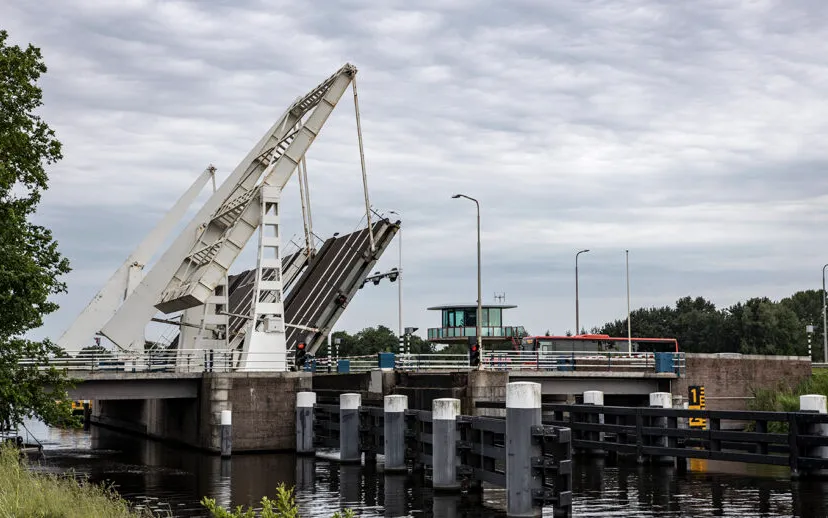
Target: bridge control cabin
(459, 323)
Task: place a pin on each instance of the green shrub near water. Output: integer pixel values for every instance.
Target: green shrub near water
(283, 506)
(786, 399)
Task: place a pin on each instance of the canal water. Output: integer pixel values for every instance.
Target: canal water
(173, 479)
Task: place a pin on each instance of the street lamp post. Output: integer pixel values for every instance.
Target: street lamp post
(400, 278)
(824, 320)
(629, 323)
(479, 290)
(577, 309)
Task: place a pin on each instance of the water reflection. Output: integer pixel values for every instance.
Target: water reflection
(167, 477)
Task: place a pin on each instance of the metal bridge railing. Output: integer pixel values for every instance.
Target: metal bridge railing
(583, 361)
(167, 360)
(212, 360)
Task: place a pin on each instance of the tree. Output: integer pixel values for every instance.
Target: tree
(808, 308)
(30, 263)
(762, 326)
(419, 346)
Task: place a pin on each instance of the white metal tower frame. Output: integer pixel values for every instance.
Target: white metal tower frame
(127, 277)
(264, 345)
(188, 272)
(191, 275)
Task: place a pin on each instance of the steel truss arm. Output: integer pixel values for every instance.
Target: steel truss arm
(105, 303)
(190, 269)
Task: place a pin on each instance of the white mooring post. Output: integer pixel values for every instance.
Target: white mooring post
(305, 402)
(394, 423)
(661, 400)
(226, 433)
(349, 428)
(815, 403)
(444, 413)
(595, 397)
(523, 410)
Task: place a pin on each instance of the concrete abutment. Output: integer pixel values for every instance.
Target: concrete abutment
(262, 405)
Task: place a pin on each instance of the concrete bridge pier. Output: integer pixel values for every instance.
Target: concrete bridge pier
(187, 408)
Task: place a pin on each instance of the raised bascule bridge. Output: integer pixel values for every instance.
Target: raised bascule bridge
(254, 320)
(223, 377)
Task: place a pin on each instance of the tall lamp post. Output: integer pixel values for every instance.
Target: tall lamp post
(479, 291)
(577, 309)
(824, 320)
(400, 279)
(629, 323)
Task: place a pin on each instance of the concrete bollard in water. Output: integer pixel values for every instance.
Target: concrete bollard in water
(226, 433)
(661, 400)
(595, 397)
(815, 403)
(349, 451)
(305, 402)
(394, 441)
(444, 413)
(523, 410)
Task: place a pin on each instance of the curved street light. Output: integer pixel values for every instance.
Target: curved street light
(479, 291)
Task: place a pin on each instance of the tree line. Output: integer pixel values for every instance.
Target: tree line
(756, 326)
(372, 340)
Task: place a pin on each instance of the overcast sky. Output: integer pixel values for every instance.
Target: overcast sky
(691, 133)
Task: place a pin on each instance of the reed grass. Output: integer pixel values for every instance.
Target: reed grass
(26, 494)
(783, 398)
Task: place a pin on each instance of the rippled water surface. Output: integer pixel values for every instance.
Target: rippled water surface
(175, 479)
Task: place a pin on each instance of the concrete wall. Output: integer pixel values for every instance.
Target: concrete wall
(423, 388)
(263, 406)
(729, 379)
(485, 386)
(264, 411)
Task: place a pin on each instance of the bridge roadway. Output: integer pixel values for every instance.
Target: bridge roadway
(122, 385)
(609, 382)
(186, 406)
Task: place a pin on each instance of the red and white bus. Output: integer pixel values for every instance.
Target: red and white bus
(597, 343)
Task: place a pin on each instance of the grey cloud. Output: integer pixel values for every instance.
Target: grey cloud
(690, 133)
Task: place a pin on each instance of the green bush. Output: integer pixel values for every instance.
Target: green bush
(284, 506)
(786, 399)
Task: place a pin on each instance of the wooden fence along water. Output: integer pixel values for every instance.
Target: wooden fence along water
(661, 434)
(531, 460)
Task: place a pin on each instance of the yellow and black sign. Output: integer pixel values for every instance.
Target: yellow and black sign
(696, 397)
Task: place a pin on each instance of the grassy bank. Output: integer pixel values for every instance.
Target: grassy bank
(25, 494)
(785, 399)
